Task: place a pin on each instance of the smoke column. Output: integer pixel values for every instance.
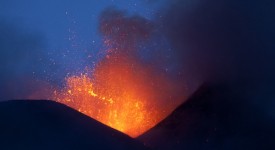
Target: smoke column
(225, 42)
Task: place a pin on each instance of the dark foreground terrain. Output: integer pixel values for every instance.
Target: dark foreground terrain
(47, 125)
(214, 118)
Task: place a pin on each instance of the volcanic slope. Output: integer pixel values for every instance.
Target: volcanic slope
(216, 118)
(47, 125)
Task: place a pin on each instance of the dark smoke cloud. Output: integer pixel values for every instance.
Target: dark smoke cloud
(138, 37)
(135, 41)
(23, 62)
(227, 45)
(222, 40)
(131, 36)
(125, 32)
(226, 42)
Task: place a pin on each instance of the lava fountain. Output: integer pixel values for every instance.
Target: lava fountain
(121, 91)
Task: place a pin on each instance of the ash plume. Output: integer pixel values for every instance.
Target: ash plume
(123, 31)
(226, 42)
(134, 38)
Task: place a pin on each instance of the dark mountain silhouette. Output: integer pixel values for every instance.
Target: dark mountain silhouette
(47, 125)
(215, 117)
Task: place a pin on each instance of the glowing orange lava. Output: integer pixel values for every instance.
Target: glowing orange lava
(120, 93)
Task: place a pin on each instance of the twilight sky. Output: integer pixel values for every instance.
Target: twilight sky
(46, 40)
(218, 41)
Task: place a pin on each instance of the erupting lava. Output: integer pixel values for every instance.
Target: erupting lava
(120, 93)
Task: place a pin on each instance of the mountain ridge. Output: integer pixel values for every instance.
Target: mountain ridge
(44, 124)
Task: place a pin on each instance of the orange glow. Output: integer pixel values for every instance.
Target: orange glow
(120, 93)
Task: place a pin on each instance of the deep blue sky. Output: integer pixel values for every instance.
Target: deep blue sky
(58, 20)
(226, 41)
(68, 24)
(46, 40)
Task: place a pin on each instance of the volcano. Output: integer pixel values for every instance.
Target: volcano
(212, 118)
(44, 125)
(215, 117)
